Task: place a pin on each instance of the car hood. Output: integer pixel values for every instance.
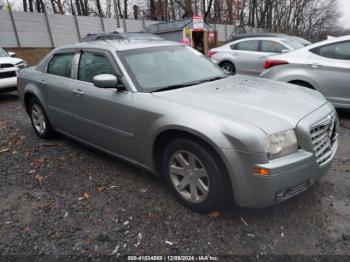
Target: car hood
(272, 106)
(10, 60)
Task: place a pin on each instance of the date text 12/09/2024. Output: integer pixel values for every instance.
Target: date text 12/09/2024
(173, 258)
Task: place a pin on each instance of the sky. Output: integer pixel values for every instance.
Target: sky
(344, 6)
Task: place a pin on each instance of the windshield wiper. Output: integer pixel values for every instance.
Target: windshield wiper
(167, 88)
(212, 79)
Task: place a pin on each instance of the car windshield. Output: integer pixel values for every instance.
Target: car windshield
(293, 43)
(3, 53)
(164, 68)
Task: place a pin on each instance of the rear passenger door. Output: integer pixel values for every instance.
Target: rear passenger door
(246, 56)
(56, 87)
(104, 116)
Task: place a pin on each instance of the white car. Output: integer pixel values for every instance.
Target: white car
(9, 66)
(247, 56)
(324, 66)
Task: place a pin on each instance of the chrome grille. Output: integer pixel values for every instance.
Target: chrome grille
(6, 65)
(7, 74)
(323, 137)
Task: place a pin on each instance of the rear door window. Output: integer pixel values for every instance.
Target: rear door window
(339, 51)
(246, 46)
(92, 64)
(272, 47)
(61, 65)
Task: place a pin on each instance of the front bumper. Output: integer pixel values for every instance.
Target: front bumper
(8, 84)
(289, 175)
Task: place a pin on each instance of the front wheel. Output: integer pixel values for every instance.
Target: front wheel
(228, 68)
(196, 176)
(40, 122)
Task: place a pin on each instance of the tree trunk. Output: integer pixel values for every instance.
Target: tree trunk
(79, 11)
(31, 7)
(152, 7)
(99, 9)
(60, 7)
(25, 8)
(136, 12)
(126, 9)
(188, 9)
(207, 11)
(172, 7)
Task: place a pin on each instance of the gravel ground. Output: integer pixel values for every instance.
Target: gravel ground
(62, 198)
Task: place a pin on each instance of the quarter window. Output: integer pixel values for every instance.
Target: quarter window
(340, 51)
(272, 47)
(246, 46)
(61, 65)
(92, 64)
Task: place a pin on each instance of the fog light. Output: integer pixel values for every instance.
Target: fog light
(261, 171)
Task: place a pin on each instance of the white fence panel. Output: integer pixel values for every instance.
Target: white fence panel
(32, 29)
(111, 24)
(64, 30)
(133, 25)
(7, 32)
(89, 24)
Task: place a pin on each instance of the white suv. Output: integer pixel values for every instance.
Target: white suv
(9, 66)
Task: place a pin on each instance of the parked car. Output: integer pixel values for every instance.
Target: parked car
(9, 65)
(167, 108)
(323, 66)
(236, 37)
(247, 56)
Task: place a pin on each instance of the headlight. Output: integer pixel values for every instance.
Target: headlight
(21, 65)
(281, 144)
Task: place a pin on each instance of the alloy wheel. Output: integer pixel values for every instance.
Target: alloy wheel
(189, 176)
(38, 118)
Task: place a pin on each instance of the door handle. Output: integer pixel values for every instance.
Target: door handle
(78, 92)
(315, 65)
(42, 82)
(263, 56)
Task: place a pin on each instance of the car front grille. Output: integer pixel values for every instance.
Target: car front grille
(6, 65)
(323, 137)
(8, 74)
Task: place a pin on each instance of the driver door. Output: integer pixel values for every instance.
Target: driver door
(104, 116)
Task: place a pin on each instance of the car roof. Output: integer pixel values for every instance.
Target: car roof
(333, 40)
(115, 35)
(259, 38)
(121, 44)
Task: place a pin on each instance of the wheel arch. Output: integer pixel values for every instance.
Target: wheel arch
(166, 136)
(302, 83)
(227, 61)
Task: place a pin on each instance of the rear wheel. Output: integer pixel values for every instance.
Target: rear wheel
(195, 176)
(39, 119)
(228, 68)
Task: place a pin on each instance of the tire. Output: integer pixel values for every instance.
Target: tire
(39, 119)
(177, 160)
(228, 68)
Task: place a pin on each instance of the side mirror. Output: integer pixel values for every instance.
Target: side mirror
(285, 51)
(12, 54)
(105, 81)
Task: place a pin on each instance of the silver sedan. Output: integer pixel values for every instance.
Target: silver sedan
(323, 66)
(247, 56)
(165, 107)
